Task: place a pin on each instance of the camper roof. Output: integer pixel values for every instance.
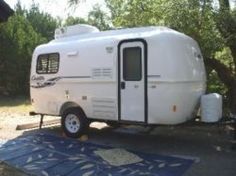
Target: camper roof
(93, 32)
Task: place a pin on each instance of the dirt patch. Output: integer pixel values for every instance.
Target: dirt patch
(9, 123)
(15, 112)
(6, 170)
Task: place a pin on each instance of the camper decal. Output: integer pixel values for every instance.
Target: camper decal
(51, 81)
(37, 78)
(41, 83)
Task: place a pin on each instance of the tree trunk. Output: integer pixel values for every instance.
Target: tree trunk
(222, 70)
(233, 52)
(232, 98)
(227, 78)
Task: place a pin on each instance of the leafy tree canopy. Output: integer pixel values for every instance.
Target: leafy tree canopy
(17, 40)
(96, 17)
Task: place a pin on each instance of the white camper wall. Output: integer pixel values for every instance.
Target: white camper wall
(176, 78)
(98, 67)
(44, 99)
(88, 72)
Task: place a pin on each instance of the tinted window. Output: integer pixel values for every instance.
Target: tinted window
(132, 64)
(47, 63)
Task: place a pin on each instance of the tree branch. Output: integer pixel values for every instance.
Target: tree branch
(222, 70)
(224, 4)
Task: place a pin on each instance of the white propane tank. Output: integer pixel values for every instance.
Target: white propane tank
(211, 107)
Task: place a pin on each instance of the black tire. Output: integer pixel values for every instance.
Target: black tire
(74, 122)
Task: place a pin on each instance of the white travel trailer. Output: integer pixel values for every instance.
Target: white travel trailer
(147, 75)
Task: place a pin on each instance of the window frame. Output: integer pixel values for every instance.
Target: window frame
(47, 54)
(140, 62)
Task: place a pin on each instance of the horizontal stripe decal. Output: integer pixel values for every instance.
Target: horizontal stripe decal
(52, 81)
(154, 76)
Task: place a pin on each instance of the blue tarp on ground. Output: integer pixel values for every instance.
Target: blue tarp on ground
(50, 155)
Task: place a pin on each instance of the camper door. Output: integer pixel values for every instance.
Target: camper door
(132, 80)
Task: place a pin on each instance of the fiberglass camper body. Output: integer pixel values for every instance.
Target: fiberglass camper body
(148, 75)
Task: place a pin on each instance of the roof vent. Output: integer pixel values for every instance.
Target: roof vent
(78, 29)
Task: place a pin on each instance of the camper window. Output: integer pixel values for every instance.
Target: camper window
(132, 64)
(47, 63)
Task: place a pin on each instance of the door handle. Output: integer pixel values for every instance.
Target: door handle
(122, 85)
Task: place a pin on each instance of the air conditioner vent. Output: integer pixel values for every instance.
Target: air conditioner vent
(78, 29)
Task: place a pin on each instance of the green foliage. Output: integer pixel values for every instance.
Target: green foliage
(133, 13)
(74, 20)
(226, 22)
(96, 17)
(225, 56)
(18, 37)
(195, 19)
(215, 85)
(42, 22)
(17, 41)
(73, 2)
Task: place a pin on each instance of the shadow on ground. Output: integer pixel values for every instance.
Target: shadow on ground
(210, 145)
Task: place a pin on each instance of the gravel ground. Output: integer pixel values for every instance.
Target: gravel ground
(210, 144)
(9, 122)
(6, 170)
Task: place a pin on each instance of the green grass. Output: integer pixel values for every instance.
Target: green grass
(15, 104)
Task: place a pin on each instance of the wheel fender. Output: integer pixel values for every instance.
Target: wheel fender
(70, 105)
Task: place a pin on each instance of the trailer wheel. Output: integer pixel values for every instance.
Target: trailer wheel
(74, 122)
